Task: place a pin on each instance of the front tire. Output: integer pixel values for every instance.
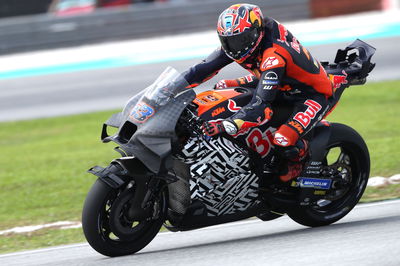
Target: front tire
(353, 163)
(98, 224)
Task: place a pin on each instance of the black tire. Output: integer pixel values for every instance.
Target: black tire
(96, 222)
(356, 163)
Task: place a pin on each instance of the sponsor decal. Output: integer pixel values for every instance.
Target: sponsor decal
(338, 80)
(270, 62)
(221, 85)
(210, 98)
(314, 183)
(315, 163)
(283, 32)
(271, 76)
(232, 106)
(266, 87)
(141, 112)
(271, 79)
(259, 141)
(304, 118)
(230, 128)
(200, 101)
(218, 111)
(295, 45)
(270, 82)
(249, 78)
(281, 140)
(296, 126)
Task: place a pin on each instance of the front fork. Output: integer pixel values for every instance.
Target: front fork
(134, 174)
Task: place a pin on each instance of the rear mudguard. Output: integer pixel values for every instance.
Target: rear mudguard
(319, 140)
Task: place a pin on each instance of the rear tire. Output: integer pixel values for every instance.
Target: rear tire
(96, 221)
(354, 162)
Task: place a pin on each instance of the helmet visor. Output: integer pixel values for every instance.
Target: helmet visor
(237, 46)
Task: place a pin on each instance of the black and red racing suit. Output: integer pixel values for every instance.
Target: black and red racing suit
(282, 64)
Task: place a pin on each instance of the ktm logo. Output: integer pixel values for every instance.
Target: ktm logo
(218, 111)
(297, 126)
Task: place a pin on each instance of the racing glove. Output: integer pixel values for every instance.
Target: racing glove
(226, 83)
(217, 127)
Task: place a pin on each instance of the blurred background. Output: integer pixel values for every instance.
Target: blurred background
(67, 65)
(43, 24)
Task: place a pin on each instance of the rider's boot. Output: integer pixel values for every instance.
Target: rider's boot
(295, 156)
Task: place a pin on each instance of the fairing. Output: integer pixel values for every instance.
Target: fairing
(147, 123)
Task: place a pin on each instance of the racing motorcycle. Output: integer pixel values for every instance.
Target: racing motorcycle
(171, 174)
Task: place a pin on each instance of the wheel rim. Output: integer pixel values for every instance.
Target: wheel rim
(348, 166)
(113, 224)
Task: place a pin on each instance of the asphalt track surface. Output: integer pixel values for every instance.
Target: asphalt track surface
(369, 235)
(104, 89)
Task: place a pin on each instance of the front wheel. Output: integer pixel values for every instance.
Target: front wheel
(107, 225)
(348, 155)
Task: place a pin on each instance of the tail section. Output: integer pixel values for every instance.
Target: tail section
(352, 66)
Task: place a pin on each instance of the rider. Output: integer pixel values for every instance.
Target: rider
(280, 67)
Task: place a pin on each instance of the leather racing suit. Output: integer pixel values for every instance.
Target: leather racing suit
(282, 65)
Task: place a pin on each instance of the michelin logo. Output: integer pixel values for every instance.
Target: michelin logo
(315, 183)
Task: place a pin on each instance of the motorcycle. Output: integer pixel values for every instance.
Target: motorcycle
(171, 174)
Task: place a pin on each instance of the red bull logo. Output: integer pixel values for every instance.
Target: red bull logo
(338, 80)
(304, 118)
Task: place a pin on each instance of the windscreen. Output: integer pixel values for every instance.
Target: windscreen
(143, 107)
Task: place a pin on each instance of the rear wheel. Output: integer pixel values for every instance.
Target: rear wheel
(349, 157)
(106, 223)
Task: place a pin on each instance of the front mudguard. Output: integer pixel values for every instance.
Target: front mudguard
(122, 170)
(129, 172)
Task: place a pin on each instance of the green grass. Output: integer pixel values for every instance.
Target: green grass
(41, 238)
(43, 167)
(373, 110)
(381, 193)
(43, 162)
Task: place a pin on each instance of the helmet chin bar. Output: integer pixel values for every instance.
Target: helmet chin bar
(250, 53)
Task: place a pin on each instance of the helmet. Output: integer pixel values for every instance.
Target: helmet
(240, 30)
